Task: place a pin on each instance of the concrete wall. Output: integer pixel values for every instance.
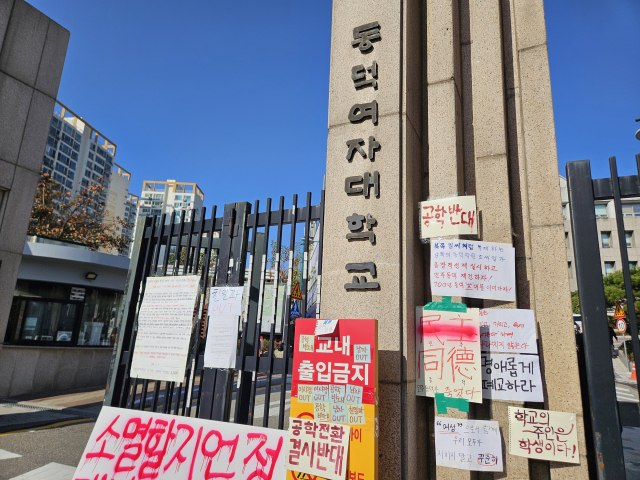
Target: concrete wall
(27, 370)
(32, 53)
(465, 108)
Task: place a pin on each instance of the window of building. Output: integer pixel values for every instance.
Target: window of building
(178, 197)
(633, 265)
(570, 274)
(609, 267)
(93, 147)
(631, 209)
(566, 239)
(601, 211)
(606, 239)
(629, 238)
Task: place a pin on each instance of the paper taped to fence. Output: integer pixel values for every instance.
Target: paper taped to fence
(225, 301)
(138, 444)
(511, 377)
(165, 322)
(448, 216)
(543, 434)
(222, 341)
(473, 269)
(510, 330)
(468, 444)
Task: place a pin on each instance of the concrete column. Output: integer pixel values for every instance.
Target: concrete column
(397, 251)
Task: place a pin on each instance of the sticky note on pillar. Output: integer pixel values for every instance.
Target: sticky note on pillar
(355, 415)
(362, 353)
(442, 402)
(320, 393)
(337, 393)
(353, 395)
(322, 412)
(306, 343)
(305, 393)
(338, 413)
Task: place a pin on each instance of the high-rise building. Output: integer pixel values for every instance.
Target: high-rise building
(77, 156)
(170, 196)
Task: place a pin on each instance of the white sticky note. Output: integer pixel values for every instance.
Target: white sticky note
(322, 411)
(362, 354)
(325, 327)
(337, 393)
(355, 415)
(353, 395)
(320, 393)
(468, 444)
(306, 343)
(338, 413)
(305, 393)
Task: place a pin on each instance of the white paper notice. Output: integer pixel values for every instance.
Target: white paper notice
(222, 342)
(507, 330)
(225, 301)
(464, 268)
(165, 322)
(511, 377)
(325, 327)
(468, 444)
(448, 216)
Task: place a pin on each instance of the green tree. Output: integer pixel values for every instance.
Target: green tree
(81, 219)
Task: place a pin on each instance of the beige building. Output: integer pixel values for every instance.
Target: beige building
(121, 204)
(170, 196)
(608, 238)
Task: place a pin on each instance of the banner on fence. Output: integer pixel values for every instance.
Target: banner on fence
(165, 322)
(468, 444)
(139, 444)
(335, 376)
(507, 330)
(448, 354)
(511, 377)
(472, 269)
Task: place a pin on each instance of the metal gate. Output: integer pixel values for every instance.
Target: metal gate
(224, 251)
(602, 419)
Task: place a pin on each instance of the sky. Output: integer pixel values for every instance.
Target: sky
(234, 95)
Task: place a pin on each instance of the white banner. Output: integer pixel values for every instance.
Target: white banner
(511, 377)
(471, 269)
(468, 444)
(507, 330)
(165, 322)
(138, 444)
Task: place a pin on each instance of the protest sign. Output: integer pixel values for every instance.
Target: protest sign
(139, 444)
(222, 342)
(468, 444)
(543, 434)
(317, 448)
(165, 322)
(448, 354)
(326, 371)
(511, 377)
(448, 216)
(473, 269)
(225, 301)
(507, 330)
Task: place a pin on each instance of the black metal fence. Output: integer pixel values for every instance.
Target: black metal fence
(224, 251)
(602, 417)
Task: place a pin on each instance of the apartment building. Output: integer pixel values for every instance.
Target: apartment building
(121, 204)
(170, 196)
(608, 239)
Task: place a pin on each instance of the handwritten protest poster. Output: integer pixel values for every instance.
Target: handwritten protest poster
(330, 369)
(165, 322)
(468, 444)
(225, 301)
(507, 330)
(473, 269)
(222, 342)
(448, 216)
(138, 444)
(511, 377)
(448, 354)
(543, 434)
(318, 448)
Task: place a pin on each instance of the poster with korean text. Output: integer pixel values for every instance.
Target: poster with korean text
(448, 354)
(543, 434)
(130, 444)
(468, 444)
(448, 216)
(507, 330)
(335, 380)
(471, 269)
(511, 377)
(318, 449)
(165, 322)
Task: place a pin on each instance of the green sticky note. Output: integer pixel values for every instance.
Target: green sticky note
(446, 305)
(442, 402)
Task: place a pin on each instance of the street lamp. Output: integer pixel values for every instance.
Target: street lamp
(638, 132)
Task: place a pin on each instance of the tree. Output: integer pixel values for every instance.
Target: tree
(285, 255)
(58, 216)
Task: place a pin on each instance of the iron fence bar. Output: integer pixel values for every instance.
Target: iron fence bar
(156, 252)
(319, 246)
(305, 260)
(176, 260)
(603, 403)
(624, 256)
(286, 315)
(187, 253)
(168, 247)
(196, 259)
(274, 311)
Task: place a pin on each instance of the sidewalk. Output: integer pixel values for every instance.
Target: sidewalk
(26, 412)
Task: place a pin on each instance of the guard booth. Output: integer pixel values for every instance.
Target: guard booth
(603, 426)
(243, 247)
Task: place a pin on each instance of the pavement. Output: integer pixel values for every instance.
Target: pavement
(627, 394)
